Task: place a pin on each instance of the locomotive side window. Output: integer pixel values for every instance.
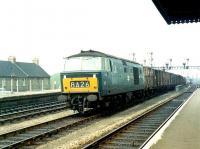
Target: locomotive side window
(107, 66)
(124, 63)
(114, 68)
(110, 65)
(136, 75)
(125, 66)
(114, 65)
(125, 70)
(140, 71)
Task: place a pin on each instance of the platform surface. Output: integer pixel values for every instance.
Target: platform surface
(16, 94)
(184, 130)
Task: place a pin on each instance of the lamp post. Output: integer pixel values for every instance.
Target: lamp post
(184, 64)
(187, 63)
(167, 65)
(151, 59)
(145, 62)
(170, 63)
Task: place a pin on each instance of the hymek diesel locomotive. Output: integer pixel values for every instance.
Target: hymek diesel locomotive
(93, 79)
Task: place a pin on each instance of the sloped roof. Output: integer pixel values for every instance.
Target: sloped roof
(20, 69)
(7, 69)
(32, 70)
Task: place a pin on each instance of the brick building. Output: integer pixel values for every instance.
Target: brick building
(20, 76)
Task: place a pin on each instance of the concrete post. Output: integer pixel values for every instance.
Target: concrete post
(11, 85)
(17, 86)
(42, 85)
(30, 85)
(2, 84)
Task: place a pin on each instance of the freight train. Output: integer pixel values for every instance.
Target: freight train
(94, 79)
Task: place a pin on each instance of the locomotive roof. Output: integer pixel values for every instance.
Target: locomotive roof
(98, 54)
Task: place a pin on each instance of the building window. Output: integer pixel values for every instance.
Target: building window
(24, 82)
(3, 82)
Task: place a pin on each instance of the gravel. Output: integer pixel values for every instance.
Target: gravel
(87, 134)
(12, 127)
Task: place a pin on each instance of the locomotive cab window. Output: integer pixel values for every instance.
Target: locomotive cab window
(83, 63)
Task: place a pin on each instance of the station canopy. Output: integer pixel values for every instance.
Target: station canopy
(179, 11)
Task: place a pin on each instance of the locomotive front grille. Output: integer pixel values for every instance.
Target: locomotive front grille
(80, 85)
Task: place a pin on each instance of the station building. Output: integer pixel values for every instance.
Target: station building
(21, 76)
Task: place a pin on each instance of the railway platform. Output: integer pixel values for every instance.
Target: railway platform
(27, 93)
(183, 130)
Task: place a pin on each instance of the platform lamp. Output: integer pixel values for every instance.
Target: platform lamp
(184, 64)
(167, 65)
(187, 66)
(151, 59)
(170, 63)
(145, 62)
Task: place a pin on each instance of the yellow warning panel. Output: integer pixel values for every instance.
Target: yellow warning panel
(80, 85)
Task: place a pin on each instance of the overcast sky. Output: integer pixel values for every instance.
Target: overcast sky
(51, 30)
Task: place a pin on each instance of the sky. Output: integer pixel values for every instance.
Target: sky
(53, 29)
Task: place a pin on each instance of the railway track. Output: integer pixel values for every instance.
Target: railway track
(19, 138)
(39, 133)
(18, 113)
(136, 133)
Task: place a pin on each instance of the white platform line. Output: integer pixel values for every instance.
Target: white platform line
(159, 134)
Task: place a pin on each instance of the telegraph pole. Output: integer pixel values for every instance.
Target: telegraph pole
(170, 63)
(151, 59)
(167, 65)
(133, 55)
(145, 62)
(187, 63)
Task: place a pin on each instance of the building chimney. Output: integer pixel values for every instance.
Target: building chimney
(36, 61)
(12, 59)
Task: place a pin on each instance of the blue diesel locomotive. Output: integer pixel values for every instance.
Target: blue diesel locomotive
(93, 79)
